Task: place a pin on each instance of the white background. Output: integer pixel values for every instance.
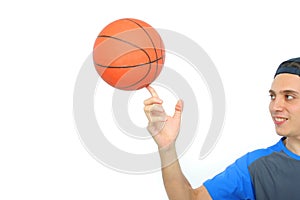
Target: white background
(43, 45)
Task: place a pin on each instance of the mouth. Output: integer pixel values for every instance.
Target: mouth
(279, 120)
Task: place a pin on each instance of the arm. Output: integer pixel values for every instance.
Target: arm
(164, 130)
(176, 185)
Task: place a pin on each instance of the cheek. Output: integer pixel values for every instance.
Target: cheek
(270, 106)
(296, 112)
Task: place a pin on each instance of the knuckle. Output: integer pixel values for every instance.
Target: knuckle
(147, 109)
(146, 102)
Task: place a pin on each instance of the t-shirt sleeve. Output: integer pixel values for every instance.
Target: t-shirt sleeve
(233, 183)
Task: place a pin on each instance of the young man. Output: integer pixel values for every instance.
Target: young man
(271, 173)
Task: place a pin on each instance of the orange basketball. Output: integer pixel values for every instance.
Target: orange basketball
(128, 54)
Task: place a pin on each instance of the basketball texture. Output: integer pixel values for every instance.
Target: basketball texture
(128, 54)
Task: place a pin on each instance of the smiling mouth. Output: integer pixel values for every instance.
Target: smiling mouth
(280, 120)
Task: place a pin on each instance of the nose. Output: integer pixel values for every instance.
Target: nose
(277, 104)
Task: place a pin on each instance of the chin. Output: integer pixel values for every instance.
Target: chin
(282, 133)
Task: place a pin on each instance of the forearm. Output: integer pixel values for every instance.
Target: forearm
(176, 185)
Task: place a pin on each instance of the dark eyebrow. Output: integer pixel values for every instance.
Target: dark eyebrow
(271, 91)
(290, 92)
(285, 92)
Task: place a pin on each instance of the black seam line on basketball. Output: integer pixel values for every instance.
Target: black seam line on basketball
(131, 66)
(137, 82)
(126, 42)
(156, 69)
(116, 38)
(149, 69)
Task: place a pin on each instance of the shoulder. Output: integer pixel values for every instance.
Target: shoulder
(235, 180)
(252, 156)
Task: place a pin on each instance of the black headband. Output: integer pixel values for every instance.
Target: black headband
(289, 66)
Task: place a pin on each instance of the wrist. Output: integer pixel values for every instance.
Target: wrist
(168, 154)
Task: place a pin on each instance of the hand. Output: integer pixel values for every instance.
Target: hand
(163, 128)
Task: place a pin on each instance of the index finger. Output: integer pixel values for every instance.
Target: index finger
(152, 91)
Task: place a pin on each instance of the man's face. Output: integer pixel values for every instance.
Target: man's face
(285, 104)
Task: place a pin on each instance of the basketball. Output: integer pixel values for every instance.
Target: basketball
(128, 54)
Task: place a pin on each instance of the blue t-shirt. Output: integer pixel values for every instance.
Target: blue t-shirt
(272, 173)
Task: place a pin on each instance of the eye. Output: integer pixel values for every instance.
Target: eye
(289, 97)
(272, 96)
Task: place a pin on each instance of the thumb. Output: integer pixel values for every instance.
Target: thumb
(178, 109)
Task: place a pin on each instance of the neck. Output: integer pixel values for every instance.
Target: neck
(293, 144)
